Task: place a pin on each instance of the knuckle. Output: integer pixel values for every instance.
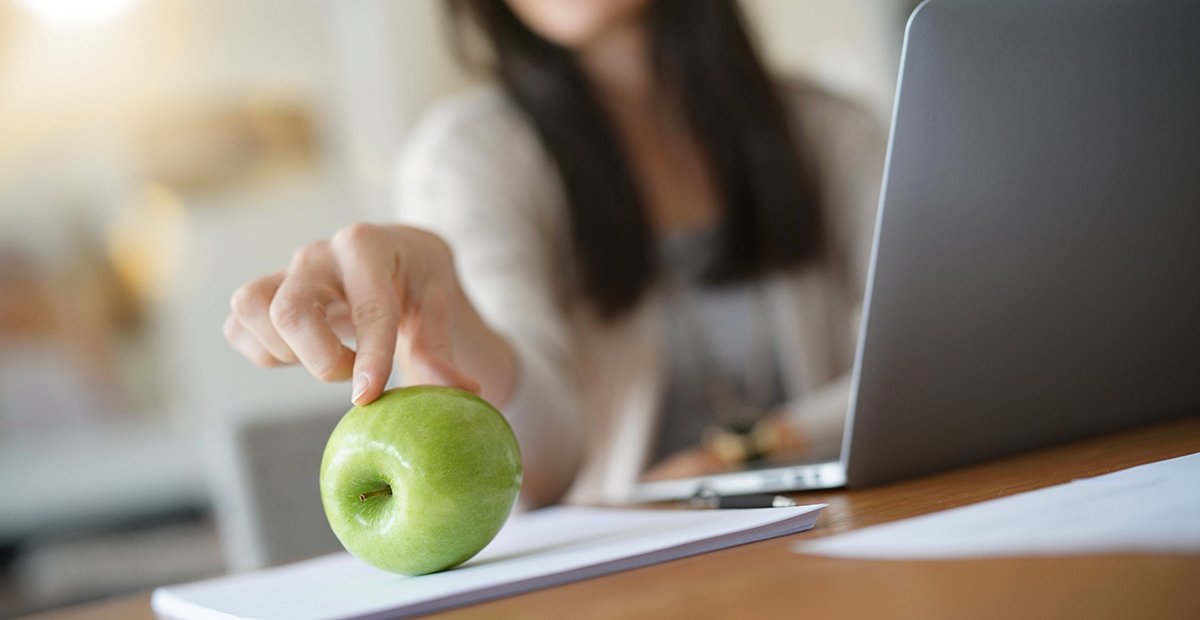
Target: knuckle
(425, 250)
(262, 359)
(371, 312)
(310, 253)
(439, 244)
(287, 312)
(437, 247)
(245, 301)
(443, 260)
(355, 236)
(252, 298)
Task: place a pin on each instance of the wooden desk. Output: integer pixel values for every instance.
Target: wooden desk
(766, 580)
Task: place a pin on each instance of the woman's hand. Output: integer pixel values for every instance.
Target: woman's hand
(393, 290)
(686, 464)
(780, 442)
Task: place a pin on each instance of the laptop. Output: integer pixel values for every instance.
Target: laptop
(1035, 274)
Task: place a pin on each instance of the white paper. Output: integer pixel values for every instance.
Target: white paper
(534, 550)
(1150, 508)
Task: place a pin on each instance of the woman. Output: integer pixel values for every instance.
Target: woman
(634, 244)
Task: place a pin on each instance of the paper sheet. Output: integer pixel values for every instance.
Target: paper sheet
(1150, 508)
(540, 549)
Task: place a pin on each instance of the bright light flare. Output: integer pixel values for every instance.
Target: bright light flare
(77, 13)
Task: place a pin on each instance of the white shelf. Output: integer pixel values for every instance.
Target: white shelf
(78, 480)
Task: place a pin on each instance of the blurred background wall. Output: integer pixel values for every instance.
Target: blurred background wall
(155, 154)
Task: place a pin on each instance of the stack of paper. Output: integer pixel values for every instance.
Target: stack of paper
(1153, 508)
(535, 550)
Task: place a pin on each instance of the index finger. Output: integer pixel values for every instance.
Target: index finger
(369, 279)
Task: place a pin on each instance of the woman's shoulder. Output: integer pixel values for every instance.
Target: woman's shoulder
(474, 155)
(482, 120)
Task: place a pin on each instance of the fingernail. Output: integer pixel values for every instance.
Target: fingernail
(361, 383)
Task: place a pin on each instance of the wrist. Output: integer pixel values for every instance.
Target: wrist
(481, 352)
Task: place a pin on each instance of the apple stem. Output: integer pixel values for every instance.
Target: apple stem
(369, 494)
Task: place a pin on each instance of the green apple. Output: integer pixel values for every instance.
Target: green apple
(421, 479)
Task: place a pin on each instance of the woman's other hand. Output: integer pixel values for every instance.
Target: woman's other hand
(686, 464)
(778, 441)
(390, 289)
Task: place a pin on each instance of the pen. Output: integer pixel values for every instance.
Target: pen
(761, 500)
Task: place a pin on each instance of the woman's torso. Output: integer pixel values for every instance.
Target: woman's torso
(618, 367)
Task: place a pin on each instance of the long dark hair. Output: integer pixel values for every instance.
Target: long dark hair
(705, 61)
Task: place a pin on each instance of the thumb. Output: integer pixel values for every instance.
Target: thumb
(432, 370)
(432, 348)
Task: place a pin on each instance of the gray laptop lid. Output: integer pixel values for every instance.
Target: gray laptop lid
(1036, 272)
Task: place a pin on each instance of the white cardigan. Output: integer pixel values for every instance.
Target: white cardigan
(585, 406)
